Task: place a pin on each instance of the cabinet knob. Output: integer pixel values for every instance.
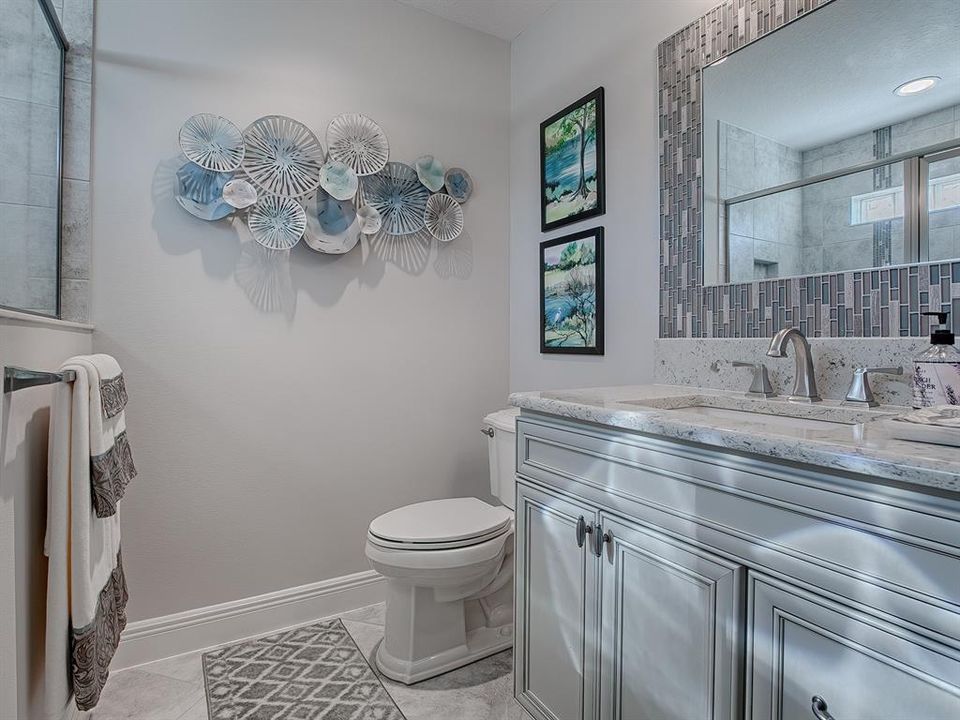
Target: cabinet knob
(819, 707)
(582, 530)
(599, 538)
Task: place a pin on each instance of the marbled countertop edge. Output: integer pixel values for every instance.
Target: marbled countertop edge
(872, 452)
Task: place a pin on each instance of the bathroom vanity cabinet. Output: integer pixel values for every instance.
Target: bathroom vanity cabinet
(661, 579)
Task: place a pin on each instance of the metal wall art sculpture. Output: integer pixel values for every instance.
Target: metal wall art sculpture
(277, 175)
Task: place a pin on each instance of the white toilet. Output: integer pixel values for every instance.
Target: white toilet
(449, 571)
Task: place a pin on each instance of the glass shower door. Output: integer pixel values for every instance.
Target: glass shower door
(31, 98)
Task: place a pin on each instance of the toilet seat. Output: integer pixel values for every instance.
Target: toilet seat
(440, 525)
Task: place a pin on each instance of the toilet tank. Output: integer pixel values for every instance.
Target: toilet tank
(501, 430)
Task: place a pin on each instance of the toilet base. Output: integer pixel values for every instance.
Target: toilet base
(481, 643)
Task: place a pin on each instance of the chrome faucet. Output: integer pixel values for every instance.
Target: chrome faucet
(805, 383)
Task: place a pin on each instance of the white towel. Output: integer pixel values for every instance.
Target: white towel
(86, 590)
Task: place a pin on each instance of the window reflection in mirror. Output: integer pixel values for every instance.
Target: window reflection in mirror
(838, 224)
(942, 216)
(814, 162)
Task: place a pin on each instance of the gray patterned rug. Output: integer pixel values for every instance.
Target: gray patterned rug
(308, 673)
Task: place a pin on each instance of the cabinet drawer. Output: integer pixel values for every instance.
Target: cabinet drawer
(801, 646)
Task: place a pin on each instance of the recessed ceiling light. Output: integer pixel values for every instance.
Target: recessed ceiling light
(918, 85)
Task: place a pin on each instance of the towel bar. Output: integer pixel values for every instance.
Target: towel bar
(15, 378)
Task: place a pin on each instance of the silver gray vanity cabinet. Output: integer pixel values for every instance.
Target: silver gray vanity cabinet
(556, 612)
(667, 615)
(727, 586)
(858, 667)
(671, 620)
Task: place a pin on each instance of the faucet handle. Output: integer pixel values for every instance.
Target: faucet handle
(860, 392)
(760, 387)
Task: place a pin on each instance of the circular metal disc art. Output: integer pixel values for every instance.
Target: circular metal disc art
(276, 222)
(443, 217)
(339, 180)
(398, 195)
(358, 142)
(200, 192)
(459, 184)
(282, 156)
(368, 219)
(430, 172)
(212, 142)
(331, 224)
(239, 193)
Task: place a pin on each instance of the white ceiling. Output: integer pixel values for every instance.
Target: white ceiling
(502, 18)
(831, 75)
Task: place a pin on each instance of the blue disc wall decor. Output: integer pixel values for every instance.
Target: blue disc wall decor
(398, 195)
(332, 225)
(277, 222)
(459, 184)
(200, 192)
(277, 176)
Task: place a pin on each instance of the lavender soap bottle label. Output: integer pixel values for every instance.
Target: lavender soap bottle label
(936, 384)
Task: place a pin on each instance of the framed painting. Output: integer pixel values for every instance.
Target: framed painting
(571, 163)
(571, 294)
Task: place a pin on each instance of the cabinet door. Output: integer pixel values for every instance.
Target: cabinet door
(671, 643)
(556, 612)
(802, 646)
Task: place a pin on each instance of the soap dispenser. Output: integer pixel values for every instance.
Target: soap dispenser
(936, 371)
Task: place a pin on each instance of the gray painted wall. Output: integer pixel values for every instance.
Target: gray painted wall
(267, 441)
(614, 44)
(24, 420)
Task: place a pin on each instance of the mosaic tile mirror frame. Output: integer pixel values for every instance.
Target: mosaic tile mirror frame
(884, 302)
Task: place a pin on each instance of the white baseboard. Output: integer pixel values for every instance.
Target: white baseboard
(148, 640)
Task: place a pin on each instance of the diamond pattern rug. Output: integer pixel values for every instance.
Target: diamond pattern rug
(308, 673)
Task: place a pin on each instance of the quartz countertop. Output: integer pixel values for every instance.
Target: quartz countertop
(865, 449)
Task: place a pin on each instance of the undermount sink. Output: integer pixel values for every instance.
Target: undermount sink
(741, 416)
(770, 416)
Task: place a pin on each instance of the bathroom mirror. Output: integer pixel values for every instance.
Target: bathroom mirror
(31, 101)
(833, 144)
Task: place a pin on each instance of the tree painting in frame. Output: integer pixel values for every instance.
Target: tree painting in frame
(571, 163)
(571, 293)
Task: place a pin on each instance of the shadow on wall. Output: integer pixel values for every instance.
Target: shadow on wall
(272, 279)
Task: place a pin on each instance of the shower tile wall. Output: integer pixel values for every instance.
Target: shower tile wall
(854, 303)
(831, 243)
(29, 117)
(765, 234)
(28, 203)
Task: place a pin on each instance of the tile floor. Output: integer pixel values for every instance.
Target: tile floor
(172, 689)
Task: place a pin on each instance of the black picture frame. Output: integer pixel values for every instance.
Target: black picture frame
(600, 207)
(597, 349)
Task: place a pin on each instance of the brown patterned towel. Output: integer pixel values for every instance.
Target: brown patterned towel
(111, 460)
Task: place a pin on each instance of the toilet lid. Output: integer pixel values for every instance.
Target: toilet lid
(454, 520)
